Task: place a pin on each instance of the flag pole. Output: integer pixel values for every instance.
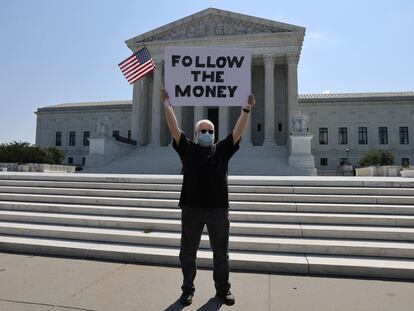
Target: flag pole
(156, 71)
(159, 78)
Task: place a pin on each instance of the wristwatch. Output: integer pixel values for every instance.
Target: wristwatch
(246, 110)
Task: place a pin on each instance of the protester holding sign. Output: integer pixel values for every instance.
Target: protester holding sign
(204, 196)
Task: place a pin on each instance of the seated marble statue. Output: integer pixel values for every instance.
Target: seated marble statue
(300, 123)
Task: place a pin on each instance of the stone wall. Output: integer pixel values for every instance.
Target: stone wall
(370, 114)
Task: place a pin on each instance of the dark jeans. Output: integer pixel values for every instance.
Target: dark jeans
(192, 224)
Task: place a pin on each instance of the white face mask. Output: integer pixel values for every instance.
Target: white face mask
(205, 139)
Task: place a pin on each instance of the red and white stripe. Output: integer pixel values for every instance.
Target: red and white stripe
(133, 70)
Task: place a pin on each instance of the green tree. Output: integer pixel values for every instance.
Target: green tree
(23, 152)
(377, 157)
(56, 155)
(386, 157)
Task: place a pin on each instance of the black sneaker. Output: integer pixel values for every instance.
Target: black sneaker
(186, 299)
(227, 297)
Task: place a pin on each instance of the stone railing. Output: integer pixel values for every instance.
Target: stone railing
(37, 167)
(407, 172)
(385, 170)
(9, 167)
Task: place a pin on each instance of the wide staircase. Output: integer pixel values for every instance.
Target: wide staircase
(359, 227)
(164, 160)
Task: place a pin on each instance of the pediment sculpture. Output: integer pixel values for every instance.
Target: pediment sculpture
(212, 26)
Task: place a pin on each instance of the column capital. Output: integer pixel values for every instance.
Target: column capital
(159, 66)
(268, 59)
(292, 59)
(157, 59)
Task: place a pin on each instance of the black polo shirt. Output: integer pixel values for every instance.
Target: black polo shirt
(205, 172)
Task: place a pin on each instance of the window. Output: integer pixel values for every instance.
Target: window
(323, 135)
(383, 135)
(403, 135)
(72, 138)
(85, 138)
(129, 134)
(70, 160)
(83, 160)
(405, 162)
(324, 161)
(58, 139)
(343, 136)
(362, 136)
(115, 133)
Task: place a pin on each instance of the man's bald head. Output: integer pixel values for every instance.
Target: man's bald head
(204, 124)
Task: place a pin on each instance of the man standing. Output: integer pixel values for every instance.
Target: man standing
(204, 196)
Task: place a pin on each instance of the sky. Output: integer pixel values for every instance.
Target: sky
(56, 51)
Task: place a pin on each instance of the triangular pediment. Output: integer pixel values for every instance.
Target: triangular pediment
(213, 23)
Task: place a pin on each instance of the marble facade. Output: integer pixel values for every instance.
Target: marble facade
(275, 54)
(276, 49)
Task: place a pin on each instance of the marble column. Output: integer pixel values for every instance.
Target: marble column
(143, 113)
(198, 115)
(247, 135)
(292, 76)
(223, 121)
(269, 134)
(156, 108)
(165, 133)
(136, 101)
(178, 110)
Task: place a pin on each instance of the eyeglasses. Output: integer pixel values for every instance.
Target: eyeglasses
(203, 131)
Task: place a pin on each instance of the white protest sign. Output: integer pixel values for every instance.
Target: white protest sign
(207, 76)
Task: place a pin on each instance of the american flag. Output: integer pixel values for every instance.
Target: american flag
(137, 65)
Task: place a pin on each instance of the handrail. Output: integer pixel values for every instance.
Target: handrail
(125, 139)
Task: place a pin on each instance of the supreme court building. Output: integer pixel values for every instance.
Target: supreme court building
(288, 134)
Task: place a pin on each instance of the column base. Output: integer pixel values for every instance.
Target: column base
(246, 143)
(268, 143)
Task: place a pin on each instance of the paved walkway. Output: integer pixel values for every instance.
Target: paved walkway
(35, 283)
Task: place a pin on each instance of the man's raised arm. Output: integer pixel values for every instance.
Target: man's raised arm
(241, 123)
(170, 117)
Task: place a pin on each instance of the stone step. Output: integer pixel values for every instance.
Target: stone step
(173, 203)
(236, 242)
(142, 223)
(232, 188)
(352, 208)
(247, 206)
(316, 181)
(236, 227)
(355, 266)
(322, 225)
(235, 215)
(250, 197)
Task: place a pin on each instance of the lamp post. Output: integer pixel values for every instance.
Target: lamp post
(347, 156)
